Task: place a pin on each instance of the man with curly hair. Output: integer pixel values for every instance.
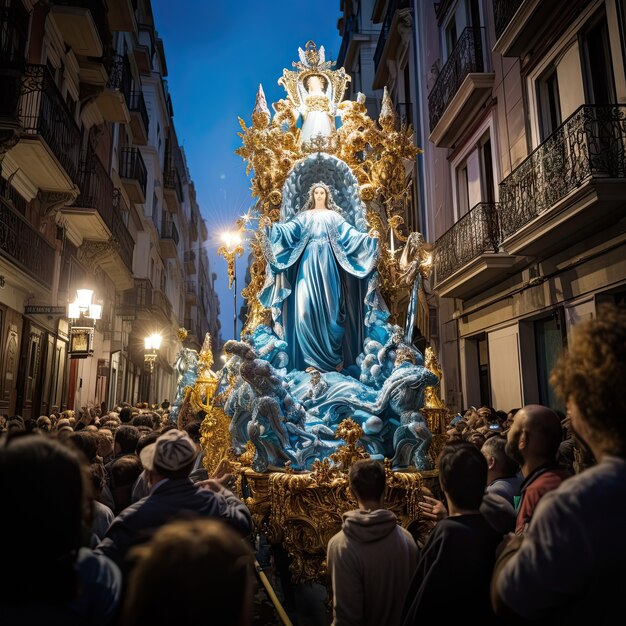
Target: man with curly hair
(569, 567)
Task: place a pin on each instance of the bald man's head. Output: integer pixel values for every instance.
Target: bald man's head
(536, 432)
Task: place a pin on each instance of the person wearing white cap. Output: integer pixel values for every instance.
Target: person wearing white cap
(173, 495)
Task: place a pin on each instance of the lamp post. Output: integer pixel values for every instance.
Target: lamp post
(230, 250)
(152, 344)
(82, 314)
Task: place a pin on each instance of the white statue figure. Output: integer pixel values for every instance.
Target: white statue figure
(317, 111)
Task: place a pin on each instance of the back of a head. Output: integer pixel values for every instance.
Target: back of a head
(43, 493)
(142, 419)
(544, 427)
(495, 446)
(204, 565)
(463, 474)
(591, 373)
(87, 442)
(367, 479)
(125, 471)
(192, 428)
(126, 414)
(127, 436)
(147, 439)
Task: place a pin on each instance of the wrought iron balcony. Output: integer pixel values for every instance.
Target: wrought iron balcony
(351, 27)
(120, 232)
(7, 191)
(589, 145)
(140, 122)
(394, 5)
(477, 232)
(466, 58)
(96, 188)
(133, 170)
(169, 231)
(503, 11)
(120, 76)
(171, 180)
(44, 113)
(22, 245)
(161, 304)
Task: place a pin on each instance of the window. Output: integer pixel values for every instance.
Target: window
(486, 170)
(549, 103)
(451, 36)
(462, 190)
(598, 67)
(475, 176)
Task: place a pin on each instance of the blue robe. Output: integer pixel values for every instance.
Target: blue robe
(317, 286)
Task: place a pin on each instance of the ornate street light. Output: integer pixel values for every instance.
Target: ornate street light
(152, 344)
(233, 247)
(83, 314)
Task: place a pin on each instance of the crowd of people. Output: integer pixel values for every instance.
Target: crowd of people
(113, 520)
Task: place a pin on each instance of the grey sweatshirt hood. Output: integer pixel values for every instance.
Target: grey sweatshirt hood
(368, 526)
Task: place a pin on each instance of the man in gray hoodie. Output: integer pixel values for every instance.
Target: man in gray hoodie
(371, 560)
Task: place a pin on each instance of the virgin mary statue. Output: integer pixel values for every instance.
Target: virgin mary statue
(319, 268)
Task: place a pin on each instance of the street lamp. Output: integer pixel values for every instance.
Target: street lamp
(230, 250)
(152, 345)
(83, 314)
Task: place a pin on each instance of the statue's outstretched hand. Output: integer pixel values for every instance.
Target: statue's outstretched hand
(374, 234)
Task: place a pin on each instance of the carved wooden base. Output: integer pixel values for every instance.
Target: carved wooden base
(303, 511)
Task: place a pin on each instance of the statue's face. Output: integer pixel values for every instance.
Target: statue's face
(314, 83)
(319, 195)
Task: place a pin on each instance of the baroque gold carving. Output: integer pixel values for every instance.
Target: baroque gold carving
(375, 152)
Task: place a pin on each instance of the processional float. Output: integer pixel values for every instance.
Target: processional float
(291, 428)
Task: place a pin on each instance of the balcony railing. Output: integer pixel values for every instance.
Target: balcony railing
(120, 77)
(352, 27)
(466, 58)
(476, 233)
(13, 34)
(44, 113)
(133, 167)
(96, 187)
(191, 287)
(120, 232)
(503, 11)
(160, 303)
(24, 246)
(171, 180)
(169, 231)
(394, 5)
(7, 191)
(190, 256)
(589, 144)
(137, 104)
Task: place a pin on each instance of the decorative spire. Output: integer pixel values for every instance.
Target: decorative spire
(206, 354)
(387, 117)
(261, 112)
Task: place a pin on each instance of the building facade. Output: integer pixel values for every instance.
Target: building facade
(94, 193)
(520, 108)
(524, 104)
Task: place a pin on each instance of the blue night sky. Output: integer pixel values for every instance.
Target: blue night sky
(217, 53)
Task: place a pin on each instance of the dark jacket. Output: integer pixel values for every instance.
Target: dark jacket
(174, 499)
